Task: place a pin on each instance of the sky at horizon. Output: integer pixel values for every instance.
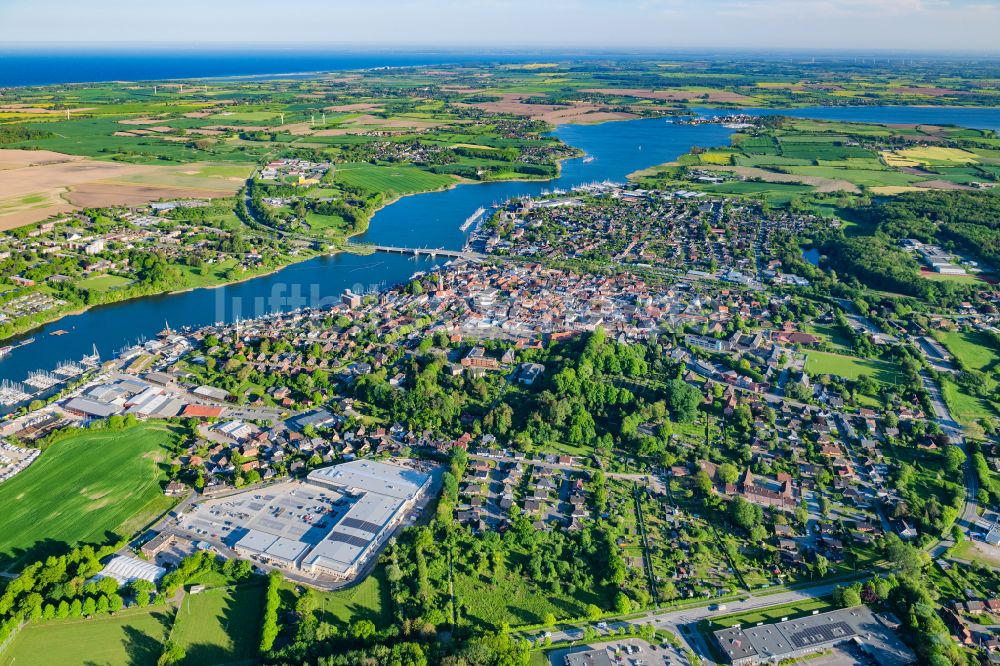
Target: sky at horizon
(904, 25)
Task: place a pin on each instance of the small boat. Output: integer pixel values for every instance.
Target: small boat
(9, 348)
(588, 159)
(59, 332)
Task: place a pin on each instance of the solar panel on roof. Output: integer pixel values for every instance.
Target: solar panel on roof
(363, 525)
(823, 633)
(348, 539)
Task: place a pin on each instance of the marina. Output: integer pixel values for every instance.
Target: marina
(39, 383)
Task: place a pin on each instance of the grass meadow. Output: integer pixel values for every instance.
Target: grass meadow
(489, 601)
(220, 625)
(368, 600)
(130, 637)
(103, 283)
(82, 490)
(849, 367)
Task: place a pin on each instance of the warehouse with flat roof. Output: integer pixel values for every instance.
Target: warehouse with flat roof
(382, 495)
(330, 525)
(857, 629)
(278, 550)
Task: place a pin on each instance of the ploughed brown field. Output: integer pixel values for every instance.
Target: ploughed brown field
(577, 113)
(35, 184)
(675, 95)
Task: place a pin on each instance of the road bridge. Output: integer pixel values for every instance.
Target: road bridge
(432, 252)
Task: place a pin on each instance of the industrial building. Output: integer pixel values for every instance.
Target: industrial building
(382, 495)
(330, 525)
(849, 630)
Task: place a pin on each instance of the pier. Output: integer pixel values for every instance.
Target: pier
(473, 219)
(12, 393)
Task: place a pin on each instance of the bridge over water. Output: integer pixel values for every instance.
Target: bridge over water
(431, 252)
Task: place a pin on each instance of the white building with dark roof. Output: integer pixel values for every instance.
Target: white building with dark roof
(382, 495)
(854, 630)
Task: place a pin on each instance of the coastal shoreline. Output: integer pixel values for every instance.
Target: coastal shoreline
(334, 250)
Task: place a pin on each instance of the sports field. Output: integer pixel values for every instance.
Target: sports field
(220, 625)
(130, 637)
(83, 489)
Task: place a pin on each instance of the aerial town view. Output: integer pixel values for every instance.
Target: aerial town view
(644, 333)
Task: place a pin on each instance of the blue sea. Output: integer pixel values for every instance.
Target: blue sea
(33, 68)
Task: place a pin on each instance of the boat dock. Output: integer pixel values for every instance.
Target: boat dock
(9, 348)
(12, 393)
(40, 381)
(473, 219)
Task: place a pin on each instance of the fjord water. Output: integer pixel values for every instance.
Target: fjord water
(618, 149)
(425, 220)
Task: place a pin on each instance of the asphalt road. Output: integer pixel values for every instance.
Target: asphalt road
(683, 622)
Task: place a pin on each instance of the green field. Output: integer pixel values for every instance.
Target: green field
(394, 181)
(773, 613)
(942, 277)
(829, 334)
(973, 349)
(328, 224)
(777, 193)
(220, 625)
(131, 637)
(83, 490)
(849, 367)
(245, 116)
(103, 283)
(368, 600)
(966, 409)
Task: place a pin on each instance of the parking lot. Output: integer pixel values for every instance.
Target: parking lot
(627, 652)
(292, 510)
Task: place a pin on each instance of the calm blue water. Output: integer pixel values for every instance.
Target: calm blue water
(811, 255)
(28, 68)
(618, 149)
(426, 220)
(978, 118)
